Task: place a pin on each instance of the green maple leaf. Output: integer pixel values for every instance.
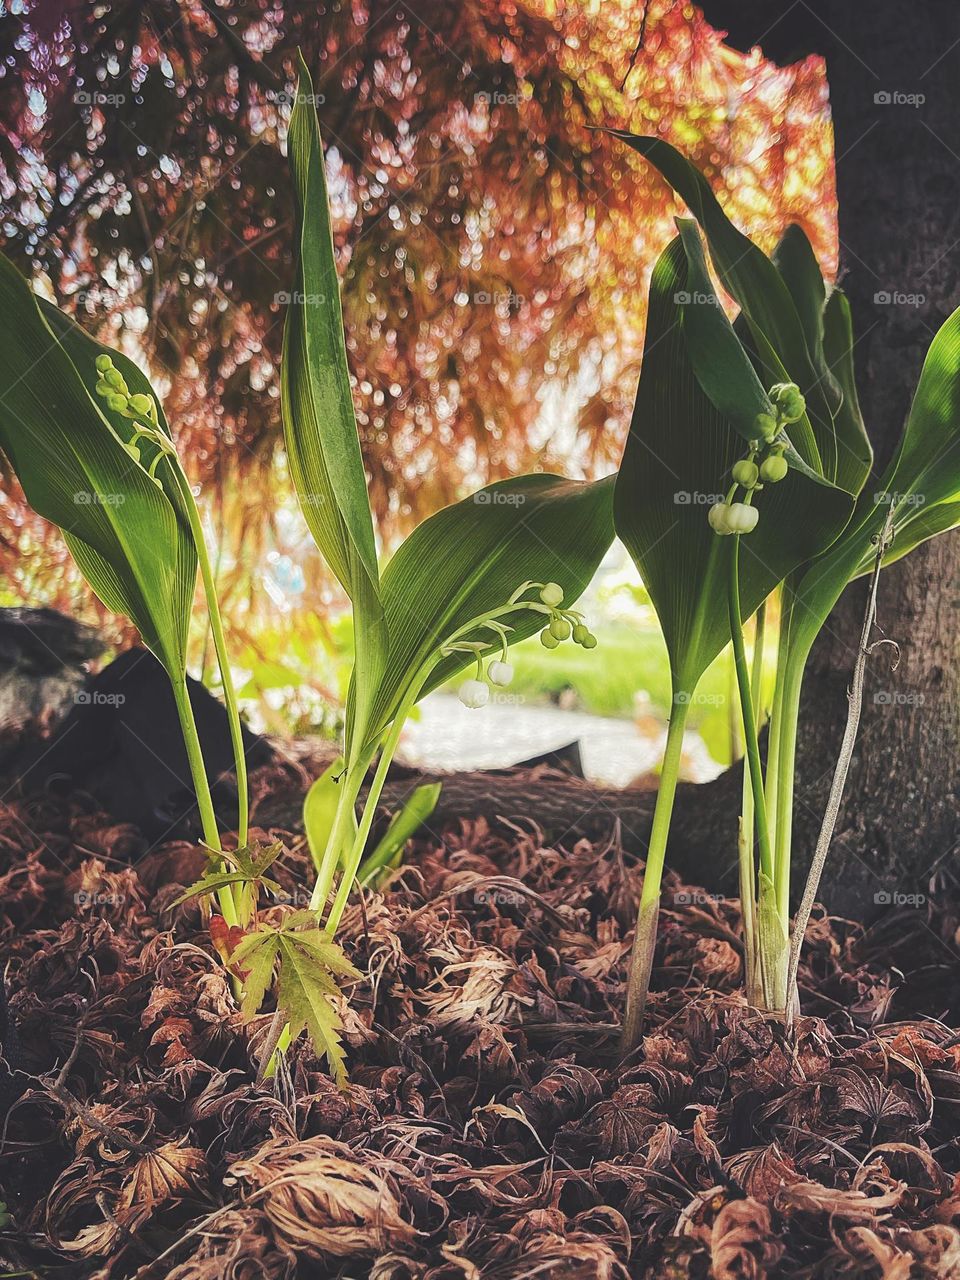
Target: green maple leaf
(249, 865)
(310, 964)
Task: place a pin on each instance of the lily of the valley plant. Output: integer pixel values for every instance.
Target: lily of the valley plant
(748, 473)
(86, 435)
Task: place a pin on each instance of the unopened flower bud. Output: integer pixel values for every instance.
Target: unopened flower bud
(560, 628)
(474, 694)
(589, 641)
(580, 633)
(552, 594)
(115, 378)
(103, 363)
(766, 425)
(548, 639)
(500, 673)
(117, 402)
(745, 473)
(141, 404)
(773, 468)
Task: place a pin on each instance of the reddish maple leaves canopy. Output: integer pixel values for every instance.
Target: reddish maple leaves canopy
(494, 245)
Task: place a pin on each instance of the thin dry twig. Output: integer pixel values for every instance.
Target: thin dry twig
(854, 707)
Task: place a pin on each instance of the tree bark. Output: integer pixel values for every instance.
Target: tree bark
(898, 188)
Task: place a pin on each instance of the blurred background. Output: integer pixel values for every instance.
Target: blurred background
(494, 249)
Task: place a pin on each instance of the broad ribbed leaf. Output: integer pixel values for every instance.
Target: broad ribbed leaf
(723, 368)
(120, 525)
(470, 557)
(854, 451)
(319, 423)
(924, 474)
(756, 285)
(320, 428)
(676, 463)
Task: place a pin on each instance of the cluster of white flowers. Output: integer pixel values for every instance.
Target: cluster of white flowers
(563, 624)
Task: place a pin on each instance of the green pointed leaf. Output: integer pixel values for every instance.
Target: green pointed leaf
(924, 473)
(404, 824)
(677, 461)
(122, 528)
(469, 558)
(723, 368)
(320, 429)
(320, 808)
(754, 282)
(854, 451)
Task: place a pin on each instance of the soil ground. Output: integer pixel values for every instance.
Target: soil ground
(488, 1131)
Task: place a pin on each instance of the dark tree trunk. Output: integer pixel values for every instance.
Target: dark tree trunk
(898, 183)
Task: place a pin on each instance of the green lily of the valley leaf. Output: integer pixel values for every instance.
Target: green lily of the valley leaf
(320, 429)
(923, 476)
(470, 557)
(756, 285)
(723, 368)
(320, 809)
(405, 823)
(825, 317)
(122, 527)
(676, 463)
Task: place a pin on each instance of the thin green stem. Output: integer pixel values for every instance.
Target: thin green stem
(220, 645)
(198, 772)
(772, 771)
(792, 678)
(366, 821)
(344, 819)
(645, 937)
(747, 870)
(746, 705)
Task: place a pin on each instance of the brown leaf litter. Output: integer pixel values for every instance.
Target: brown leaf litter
(488, 1131)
